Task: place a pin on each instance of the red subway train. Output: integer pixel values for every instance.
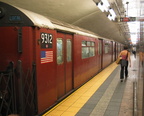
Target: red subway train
(43, 60)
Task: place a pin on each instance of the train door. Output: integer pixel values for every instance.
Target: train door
(100, 53)
(112, 51)
(64, 64)
(116, 50)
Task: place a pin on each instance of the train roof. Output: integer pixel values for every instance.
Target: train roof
(63, 26)
(15, 16)
(37, 19)
(12, 15)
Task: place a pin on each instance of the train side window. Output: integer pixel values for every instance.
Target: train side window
(84, 43)
(88, 43)
(85, 52)
(92, 43)
(110, 47)
(106, 48)
(69, 50)
(59, 51)
(119, 48)
(92, 51)
(88, 49)
(100, 48)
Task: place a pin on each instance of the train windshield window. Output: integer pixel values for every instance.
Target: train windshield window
(69, 50)
(59, 51)
(88, 49)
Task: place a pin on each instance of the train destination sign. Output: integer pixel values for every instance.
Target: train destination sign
(15, 18)
(128, 19)
(125, 19)
(46, 40)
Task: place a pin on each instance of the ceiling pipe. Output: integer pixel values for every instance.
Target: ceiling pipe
(127, 8)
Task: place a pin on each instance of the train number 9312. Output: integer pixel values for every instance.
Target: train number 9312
(46, 40)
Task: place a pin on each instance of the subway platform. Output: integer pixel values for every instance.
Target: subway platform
(105, 94)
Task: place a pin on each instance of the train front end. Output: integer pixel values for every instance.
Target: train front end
(17, 66)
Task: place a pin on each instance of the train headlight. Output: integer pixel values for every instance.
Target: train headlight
(2, 12)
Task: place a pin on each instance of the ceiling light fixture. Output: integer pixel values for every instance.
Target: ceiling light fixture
(104, 6)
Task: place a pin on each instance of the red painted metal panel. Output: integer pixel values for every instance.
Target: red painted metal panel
(8, 46)
(86, 68)
(46, 72)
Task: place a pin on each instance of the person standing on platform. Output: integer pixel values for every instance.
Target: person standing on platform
(125, 60)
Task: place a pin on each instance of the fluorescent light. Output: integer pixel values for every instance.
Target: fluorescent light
(105, 6)
(134, 28)
(112, 13)
(101, 7)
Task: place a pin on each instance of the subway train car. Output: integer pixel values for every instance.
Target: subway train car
(43, 60)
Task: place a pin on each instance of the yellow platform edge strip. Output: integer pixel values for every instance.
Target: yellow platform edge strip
(96, 82)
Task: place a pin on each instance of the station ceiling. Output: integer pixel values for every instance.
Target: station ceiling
(82, 13)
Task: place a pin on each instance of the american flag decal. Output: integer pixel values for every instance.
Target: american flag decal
(46, 56)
